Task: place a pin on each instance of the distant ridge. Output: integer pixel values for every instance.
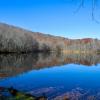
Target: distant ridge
(15, 39)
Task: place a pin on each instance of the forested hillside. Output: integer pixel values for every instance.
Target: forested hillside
(14, 39)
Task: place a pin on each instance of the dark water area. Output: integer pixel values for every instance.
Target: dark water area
(76, 76)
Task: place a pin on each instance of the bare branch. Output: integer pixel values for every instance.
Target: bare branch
(93, 11)
(93, 7)
(80, 6)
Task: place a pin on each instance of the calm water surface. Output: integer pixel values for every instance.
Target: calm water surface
(74, 75)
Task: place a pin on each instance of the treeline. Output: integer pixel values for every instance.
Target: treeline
(55, 43)
(14, 39)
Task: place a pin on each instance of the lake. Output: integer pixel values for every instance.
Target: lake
(76, 76)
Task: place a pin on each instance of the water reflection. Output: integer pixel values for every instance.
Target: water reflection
(14, 64)
(35, 74)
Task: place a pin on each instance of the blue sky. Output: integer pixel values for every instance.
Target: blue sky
(54, 17)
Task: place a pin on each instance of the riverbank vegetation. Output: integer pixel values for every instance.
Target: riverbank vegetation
(17, 40)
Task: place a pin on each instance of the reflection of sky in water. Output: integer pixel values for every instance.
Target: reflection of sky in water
(65, 78)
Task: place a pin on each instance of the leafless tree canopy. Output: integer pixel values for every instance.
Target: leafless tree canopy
(14, 39)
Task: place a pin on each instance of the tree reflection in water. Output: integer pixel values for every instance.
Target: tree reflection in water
(14, 64)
